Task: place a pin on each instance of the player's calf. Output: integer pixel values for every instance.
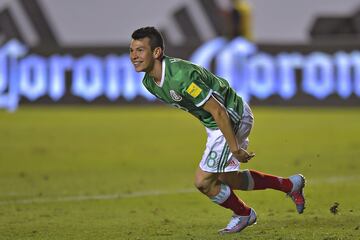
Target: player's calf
(255, 180)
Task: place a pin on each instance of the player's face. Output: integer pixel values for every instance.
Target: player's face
(141, 55)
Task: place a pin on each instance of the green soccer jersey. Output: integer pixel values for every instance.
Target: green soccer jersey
(188, 86)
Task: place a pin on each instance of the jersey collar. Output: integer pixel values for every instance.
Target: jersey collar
(163, 65)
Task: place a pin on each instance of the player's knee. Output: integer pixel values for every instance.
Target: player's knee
(203, 185)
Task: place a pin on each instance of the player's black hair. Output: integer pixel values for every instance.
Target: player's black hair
(156, 39)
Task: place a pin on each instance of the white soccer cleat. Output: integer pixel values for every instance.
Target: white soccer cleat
(238, 223)
(297, 192)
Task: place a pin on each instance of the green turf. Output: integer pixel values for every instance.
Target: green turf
(127, 173)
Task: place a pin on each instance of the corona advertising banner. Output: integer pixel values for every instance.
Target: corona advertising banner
(262, 74)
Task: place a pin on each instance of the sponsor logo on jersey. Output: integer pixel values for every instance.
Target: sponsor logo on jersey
(232, 163)
(194, 90)
(176, 97)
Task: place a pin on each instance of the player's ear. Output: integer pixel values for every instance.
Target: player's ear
(157, 53)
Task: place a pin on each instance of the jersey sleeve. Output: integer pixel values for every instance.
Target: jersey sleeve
(196, 90)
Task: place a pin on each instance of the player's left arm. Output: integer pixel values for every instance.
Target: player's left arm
(223, 121)
(201, 95)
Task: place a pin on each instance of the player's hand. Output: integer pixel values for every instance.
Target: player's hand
(242, 155)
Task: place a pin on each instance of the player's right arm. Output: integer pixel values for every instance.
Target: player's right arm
(222, 120)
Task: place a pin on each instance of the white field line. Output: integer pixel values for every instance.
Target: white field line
(334, 179)
(79, 198)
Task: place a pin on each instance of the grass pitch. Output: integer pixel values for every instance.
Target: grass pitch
(127, 173)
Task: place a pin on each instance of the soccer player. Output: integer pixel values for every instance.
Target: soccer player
(228, 121)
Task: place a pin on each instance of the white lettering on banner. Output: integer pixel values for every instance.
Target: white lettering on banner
(87, 79)
(262, 76)
(249, 71)
(287, 63)
(9, 74)
(318, 75)
(33, 77)
(58, 66)
(231, 63)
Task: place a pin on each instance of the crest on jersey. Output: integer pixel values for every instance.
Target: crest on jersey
(175, 96)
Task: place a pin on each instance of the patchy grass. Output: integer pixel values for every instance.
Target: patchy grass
(127, 173)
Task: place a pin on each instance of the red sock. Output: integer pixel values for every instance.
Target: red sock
(236, 204)
(264, 181)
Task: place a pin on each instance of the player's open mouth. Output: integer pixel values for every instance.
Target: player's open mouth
(137, 63)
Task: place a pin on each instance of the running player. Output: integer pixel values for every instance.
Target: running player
(228, 121)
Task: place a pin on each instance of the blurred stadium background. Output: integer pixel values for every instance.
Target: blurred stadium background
(80, 137)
